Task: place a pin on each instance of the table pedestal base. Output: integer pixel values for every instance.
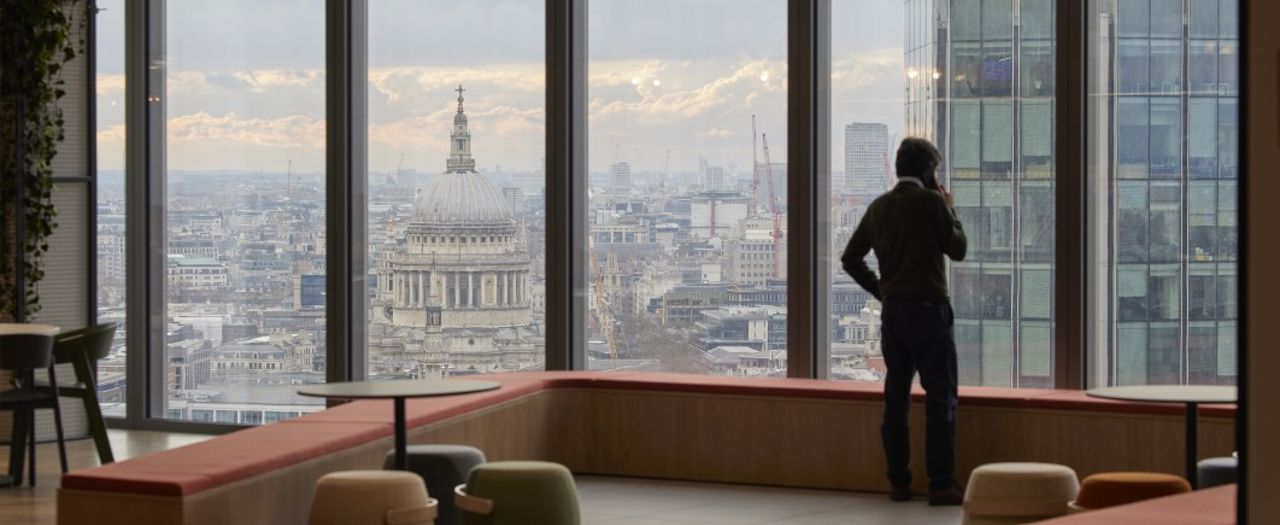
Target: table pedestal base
(1193, 443)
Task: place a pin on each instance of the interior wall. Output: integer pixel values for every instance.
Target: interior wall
(1262, 137)
(65, 290)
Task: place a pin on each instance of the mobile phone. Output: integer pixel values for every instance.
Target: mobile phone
(930, 180)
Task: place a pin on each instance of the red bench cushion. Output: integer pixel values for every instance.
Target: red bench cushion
(424, 411)
(1215, 506)
(239, 455)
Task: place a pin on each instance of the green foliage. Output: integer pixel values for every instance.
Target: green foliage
(37, 38)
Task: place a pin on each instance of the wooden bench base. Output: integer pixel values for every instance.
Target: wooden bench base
(732, 438)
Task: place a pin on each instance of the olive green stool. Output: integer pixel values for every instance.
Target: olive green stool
(519, 493)
(372, 497)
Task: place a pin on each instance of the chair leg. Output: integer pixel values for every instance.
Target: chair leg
(92, 410)
(18, 446)
(57, 419)
(31, 464)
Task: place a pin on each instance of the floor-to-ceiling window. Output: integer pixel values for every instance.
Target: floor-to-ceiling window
(687, 187)
(977, 78)
(456, 216)
(244, 148)
(109, 105)
(686, 266)
(1163, 169)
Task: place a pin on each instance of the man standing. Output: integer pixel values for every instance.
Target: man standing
(911, 228)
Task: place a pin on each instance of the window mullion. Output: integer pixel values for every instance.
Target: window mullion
(808, 150)
(1069, 179)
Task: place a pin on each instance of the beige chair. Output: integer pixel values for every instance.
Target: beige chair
(1011, 493)
(372, 497)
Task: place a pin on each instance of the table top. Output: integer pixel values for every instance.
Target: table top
(28, 328)
(1168, 393)
(397, 389)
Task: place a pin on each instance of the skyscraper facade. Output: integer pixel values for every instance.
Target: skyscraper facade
(980, 84)
(866, 159)
(1167, 151)
(1162, 182)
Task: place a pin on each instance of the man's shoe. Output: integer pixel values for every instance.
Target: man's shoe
(900, 494)
(952, 495)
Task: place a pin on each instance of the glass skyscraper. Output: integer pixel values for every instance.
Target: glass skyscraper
(1162, 182)
(1163, 107)
(980, 84)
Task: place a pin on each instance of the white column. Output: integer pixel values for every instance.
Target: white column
(506, 288)
(398, 282)
(422, 290)
(457, 290)
(471, 293)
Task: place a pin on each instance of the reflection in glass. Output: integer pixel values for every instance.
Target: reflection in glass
(1163, 233)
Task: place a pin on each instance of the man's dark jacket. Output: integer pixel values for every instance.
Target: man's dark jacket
(910, 228)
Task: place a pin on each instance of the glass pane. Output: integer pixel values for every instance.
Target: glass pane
(245, 139)
(687, 202)
(1163, 214)
(109, 56)
(983, 93)
(456, 214)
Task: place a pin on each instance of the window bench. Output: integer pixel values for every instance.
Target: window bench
(766, 431)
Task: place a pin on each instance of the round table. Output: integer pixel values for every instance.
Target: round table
(1190, 395)
(398, 391)
(21, 329)
(28, 328)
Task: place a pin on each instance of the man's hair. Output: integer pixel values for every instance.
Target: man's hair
(916, 156)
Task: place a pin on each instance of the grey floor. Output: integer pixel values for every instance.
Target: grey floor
(604, 500)
(624, 501)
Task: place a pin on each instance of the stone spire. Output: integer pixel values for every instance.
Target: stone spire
(460, 160)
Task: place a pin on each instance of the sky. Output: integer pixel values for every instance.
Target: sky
(245, 81)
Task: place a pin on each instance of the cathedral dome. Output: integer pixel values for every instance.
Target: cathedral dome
(463, 199)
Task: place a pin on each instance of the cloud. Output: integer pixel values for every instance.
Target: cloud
(716, 133)
(492, 128)
(110, 84)
(400, 84)
(232, 129)
(267, 79)
(686, 90)
(868, 68)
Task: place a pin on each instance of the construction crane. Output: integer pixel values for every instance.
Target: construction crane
(755, 172)
(773, 207)
(288, 182)
(662, 184)
(711, 197)
(603, 314)
(287, 201)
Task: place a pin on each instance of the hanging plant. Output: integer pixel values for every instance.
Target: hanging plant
(37, 38)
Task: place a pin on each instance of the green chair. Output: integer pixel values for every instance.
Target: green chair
(518, 493)
(83, 349)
